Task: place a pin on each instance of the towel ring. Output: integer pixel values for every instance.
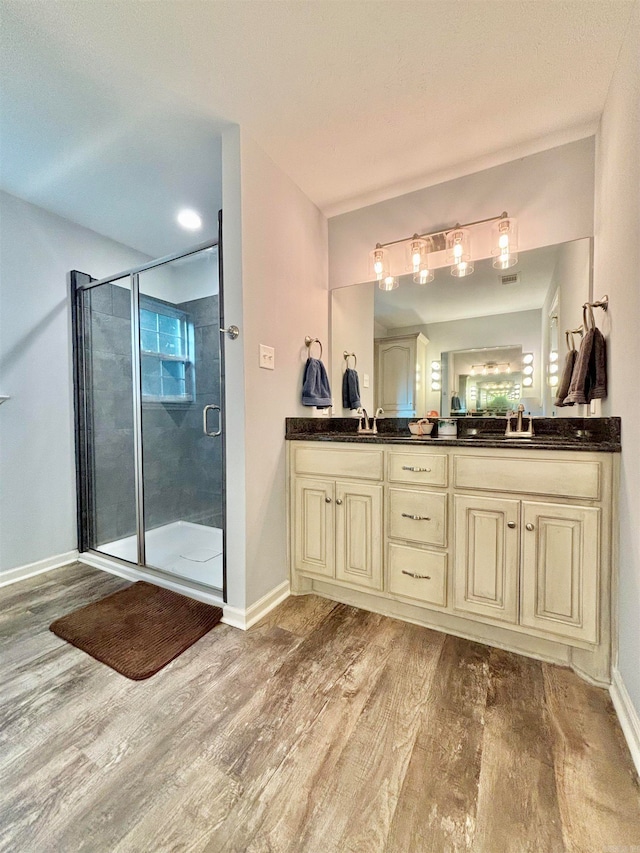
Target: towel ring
(571, 345)
(347, 355)
(309, 343)
(589, 323)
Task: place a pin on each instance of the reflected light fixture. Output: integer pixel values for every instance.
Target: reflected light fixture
(189, 219)
(388, 282)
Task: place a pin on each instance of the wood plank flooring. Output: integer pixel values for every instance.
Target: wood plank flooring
(324, 729)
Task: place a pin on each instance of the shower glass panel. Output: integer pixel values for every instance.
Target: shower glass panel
(108, 412)
(180, 396)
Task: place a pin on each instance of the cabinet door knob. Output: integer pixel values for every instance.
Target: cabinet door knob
(339, 501)
(511, 524)
(327, 500)
(529, 526)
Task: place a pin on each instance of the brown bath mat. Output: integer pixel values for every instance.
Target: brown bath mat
(138, 630)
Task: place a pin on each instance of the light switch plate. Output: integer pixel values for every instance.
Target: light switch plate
(267, 357)
(365, 380)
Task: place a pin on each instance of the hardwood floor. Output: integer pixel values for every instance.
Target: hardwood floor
(324, 728)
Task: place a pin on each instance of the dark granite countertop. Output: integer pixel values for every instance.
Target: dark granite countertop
(583, 434)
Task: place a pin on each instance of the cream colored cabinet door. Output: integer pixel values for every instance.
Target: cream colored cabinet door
(486, 557)
(560, 570)
(396, 376)
(314, 526)
(358, 514)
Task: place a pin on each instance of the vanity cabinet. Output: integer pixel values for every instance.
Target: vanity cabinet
(528, 563)
(401, 375)
(337, 523)
(508, 547)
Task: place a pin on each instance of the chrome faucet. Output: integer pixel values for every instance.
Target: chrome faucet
(520, 431)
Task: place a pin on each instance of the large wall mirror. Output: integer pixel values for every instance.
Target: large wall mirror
(475, 345)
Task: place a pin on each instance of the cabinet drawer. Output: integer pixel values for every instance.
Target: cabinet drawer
(426, 469)
(362, 463)
(406, 563)
(418, 516)
(561, 478)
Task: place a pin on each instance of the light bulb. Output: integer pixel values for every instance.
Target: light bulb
(457, 251)
(553, 381)
(527, 358)
(553, 356)
(472, 372)
(527, 381)
(389, 282)
(496, 370)
(528, 370)
(503, 242)
(423, 276)
(189, 220)
(435, 365)
(553, 368)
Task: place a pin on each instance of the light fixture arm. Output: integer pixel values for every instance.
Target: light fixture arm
(503, 215)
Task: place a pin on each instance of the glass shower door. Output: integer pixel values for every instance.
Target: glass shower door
(181, 418)
(104, 351)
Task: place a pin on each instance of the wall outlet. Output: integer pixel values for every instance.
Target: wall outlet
(267, 357)
(365, 380)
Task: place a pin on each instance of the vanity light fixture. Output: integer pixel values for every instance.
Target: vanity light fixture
(458, 245)
(379, 262)
(451, 246)
(504, 242)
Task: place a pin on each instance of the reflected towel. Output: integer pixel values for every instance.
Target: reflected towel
(315, 384)
(565, 380)
(350, 389)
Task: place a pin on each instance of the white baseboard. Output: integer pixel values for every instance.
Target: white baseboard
(244, 619)
(135, 573)
(628, 716)
(37, 568)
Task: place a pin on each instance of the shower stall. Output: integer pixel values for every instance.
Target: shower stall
(149, 391)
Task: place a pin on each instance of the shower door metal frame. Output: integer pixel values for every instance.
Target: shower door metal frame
(79, 283)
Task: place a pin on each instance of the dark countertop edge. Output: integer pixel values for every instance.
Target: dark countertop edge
(500, 444)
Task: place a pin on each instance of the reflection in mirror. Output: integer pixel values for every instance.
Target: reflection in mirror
(496, 316)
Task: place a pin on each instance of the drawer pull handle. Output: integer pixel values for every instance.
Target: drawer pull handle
(416, 517)
(416, 470)
(419, 577)
(511, 524)
(529, 526)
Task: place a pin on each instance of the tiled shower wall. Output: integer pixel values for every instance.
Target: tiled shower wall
(182, 466)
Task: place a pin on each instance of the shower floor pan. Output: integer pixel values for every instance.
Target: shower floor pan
(184, 549)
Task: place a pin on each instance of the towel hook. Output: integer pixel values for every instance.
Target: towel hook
(347, 355)
(309, 341)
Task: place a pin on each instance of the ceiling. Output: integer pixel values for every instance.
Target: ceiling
(112, 110)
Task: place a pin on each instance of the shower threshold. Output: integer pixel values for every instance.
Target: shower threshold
(182, 548)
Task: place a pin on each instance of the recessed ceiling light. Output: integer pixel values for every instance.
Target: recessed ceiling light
(190, 220)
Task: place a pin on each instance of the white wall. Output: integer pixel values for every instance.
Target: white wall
(617, 273)
(352, 329)
(550, 193)
(284, 298)
(37, 454)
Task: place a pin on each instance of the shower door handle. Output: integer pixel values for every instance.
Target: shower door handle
(205, 411)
